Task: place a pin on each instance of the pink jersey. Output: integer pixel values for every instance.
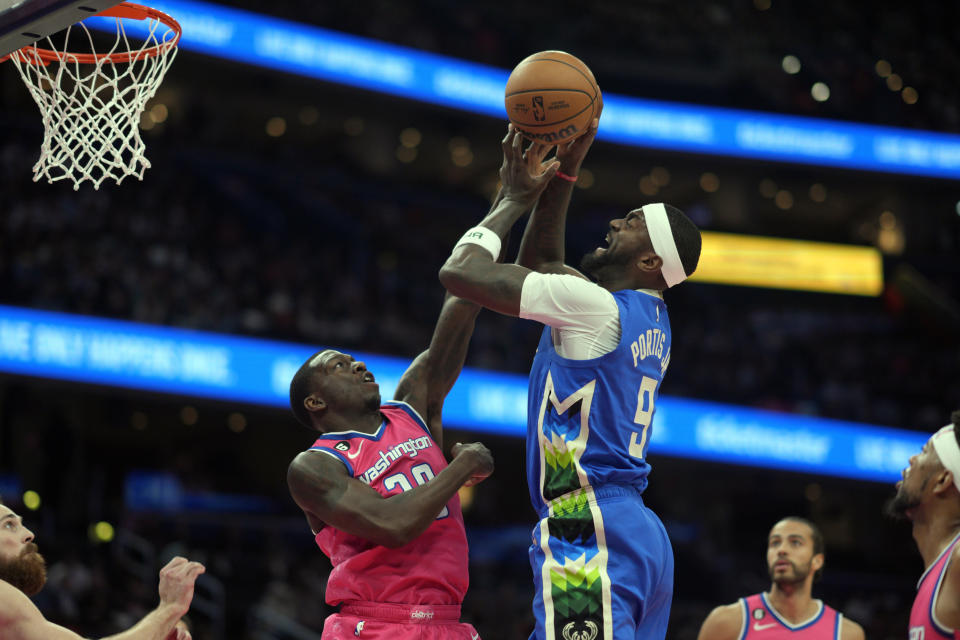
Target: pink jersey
(762, 622)
(923, 619)
(431, 570)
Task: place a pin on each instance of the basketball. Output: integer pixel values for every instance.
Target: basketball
(552, 97)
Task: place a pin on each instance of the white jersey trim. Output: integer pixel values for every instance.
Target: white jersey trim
(745, 609)
(784, 622)
(934, 563)
(332, 455)
(936, 590)
(350, 433)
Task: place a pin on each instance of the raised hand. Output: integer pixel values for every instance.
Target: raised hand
(176, 582)
(524, 175)
(571, 154)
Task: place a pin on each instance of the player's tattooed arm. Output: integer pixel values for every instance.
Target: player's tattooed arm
(542, 247)
(326, 493)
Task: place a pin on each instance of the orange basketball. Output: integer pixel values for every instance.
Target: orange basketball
(552, 97)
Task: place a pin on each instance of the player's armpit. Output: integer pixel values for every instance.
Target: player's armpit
(21, 620)
(723, 623)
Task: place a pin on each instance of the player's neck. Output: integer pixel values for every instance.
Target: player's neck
(611, 281)
(792, 601)
(619, 282)
(933, 532)
(364, 422)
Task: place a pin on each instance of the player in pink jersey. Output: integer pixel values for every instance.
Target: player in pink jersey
(929, 496)
(378, 493)
(788, 611)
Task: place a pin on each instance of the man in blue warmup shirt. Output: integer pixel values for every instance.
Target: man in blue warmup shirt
(602, 562)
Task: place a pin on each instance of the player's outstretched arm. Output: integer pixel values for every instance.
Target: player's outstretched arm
(321, 486)
(542, 248)
(470, 272)
(428, 380)
(21, 620)
(723, 623)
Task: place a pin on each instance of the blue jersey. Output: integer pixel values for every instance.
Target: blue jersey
(589, 421)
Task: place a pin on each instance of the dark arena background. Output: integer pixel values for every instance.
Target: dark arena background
(301, 196)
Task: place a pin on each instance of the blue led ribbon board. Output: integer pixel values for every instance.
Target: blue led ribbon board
(252, 371)
(360, 62)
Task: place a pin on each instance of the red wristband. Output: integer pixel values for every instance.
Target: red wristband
(563, 176)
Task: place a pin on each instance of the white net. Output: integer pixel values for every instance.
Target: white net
(91, 103)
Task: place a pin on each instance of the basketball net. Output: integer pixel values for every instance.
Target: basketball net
(91, 103)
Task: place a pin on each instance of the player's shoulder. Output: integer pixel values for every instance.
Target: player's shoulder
(313, 465)
(723, 623)
(14, 605)
(850, 630)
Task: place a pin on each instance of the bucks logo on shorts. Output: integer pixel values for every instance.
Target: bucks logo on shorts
(582, 630)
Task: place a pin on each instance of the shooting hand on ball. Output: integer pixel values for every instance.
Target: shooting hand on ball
(571, 154)
(524, 174)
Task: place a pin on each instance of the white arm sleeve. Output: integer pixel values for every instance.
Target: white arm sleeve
(584, 315)
(562, 300)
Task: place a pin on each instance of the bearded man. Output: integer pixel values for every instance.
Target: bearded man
(23, 573)
(788, 611)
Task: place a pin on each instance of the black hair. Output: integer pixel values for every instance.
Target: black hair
(816, 536)
(300, 387)
(686, 235)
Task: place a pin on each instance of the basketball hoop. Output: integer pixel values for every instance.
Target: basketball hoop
(91, 102)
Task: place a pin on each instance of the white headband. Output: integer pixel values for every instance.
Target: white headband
(945, 444)
(661, 236)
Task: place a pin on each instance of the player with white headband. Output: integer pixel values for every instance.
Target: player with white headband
(929, 496)
(602, 562)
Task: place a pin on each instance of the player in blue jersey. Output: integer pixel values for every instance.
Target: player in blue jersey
(602, 562)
